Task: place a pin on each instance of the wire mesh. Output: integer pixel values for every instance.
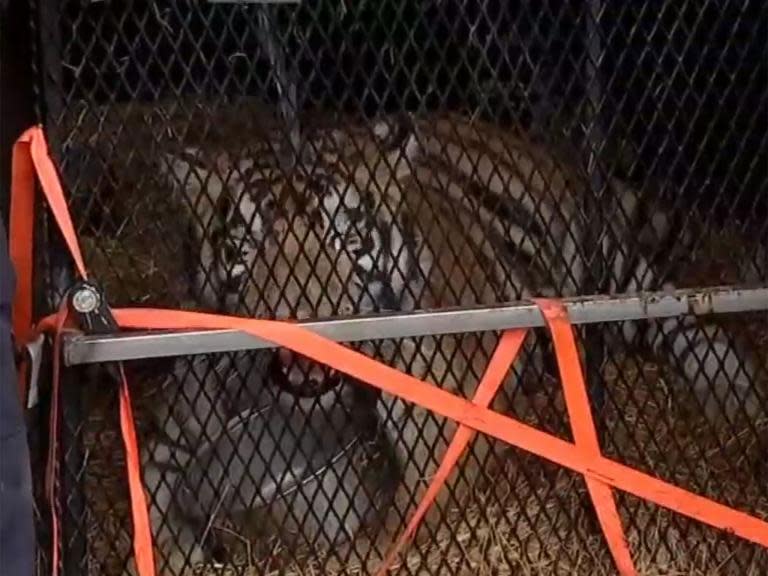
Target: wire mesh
(270, 483)
(337, 158)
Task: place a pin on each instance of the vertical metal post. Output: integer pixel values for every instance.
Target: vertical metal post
(72, 498)
(60, 276)
(594, 139)
(284, 78)
(72, 503)
(50, 78)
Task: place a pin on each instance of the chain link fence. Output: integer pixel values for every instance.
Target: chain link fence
(333, 159)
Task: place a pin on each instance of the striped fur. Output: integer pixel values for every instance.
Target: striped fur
(430, 213)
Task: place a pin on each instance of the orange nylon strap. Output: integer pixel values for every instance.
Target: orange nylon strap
(593, 466)
(142, 531)
(584, 435)
(30, 157)
(52, 465)
(498, 367)
(21, 236)
(510, 430)
(20, 247)
(31, 145)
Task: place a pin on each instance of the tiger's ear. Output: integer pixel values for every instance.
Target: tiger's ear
(224, 164)
(309, 153)
(182, 170)
(398, 138)
(222, 206)
(196, 185)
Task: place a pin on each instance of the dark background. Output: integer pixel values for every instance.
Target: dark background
(16, 110)
(682, 84)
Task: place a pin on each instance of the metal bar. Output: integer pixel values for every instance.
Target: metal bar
(595, 202)
(80, 349)
(72, 497)
(595, 140)
(284, 79)
(60, 271)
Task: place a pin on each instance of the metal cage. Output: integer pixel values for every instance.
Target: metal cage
(402, 176)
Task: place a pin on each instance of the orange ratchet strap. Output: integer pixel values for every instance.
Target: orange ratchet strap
(498, 367)
(30, 159)
(582, 456)
(584, 434)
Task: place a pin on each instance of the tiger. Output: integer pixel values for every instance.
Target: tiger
(427, 212)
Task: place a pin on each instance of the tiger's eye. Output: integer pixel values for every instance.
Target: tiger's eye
(268, 204)
(224, 206)
(353, 242)
(316, 187)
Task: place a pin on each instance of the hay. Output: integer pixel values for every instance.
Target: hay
(507, 531)
(133, 228)
(530, 517)
(534, 520)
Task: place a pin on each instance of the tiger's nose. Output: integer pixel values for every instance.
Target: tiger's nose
(233, 278)
(232, 284)
(298, 369)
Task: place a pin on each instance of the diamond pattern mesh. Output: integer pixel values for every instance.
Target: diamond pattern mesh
(519, 513)
(337, 158)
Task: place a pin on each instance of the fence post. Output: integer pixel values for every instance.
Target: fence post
(594, 140)
(71, 503)
(60, 276)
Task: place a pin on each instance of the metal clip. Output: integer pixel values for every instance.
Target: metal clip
(88, 303)
(35, 352)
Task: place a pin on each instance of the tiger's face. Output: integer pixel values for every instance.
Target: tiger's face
(306, 243)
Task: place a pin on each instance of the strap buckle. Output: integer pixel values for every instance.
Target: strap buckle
(87, 302)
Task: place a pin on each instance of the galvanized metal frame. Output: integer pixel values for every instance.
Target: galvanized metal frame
(80, 349)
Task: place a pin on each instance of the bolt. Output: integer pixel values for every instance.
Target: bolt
(85, 300)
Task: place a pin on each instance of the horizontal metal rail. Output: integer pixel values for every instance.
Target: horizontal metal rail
(79, 349)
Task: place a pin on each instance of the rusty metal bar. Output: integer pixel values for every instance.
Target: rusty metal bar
(584, 310)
